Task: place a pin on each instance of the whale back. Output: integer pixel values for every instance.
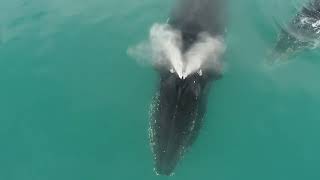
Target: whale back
(195, 16)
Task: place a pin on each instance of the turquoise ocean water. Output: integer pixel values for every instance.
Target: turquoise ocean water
(74, 104)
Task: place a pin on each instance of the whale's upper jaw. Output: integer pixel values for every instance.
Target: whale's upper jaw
(177, 118)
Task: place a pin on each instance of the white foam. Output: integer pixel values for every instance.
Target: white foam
(166, 45)
(204, 53)
(165, 49)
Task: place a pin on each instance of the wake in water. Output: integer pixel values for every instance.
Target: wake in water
(165, 50)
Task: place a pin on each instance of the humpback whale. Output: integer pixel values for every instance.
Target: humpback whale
(303, 32)
(180, 104)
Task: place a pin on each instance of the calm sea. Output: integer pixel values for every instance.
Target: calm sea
(74, 105)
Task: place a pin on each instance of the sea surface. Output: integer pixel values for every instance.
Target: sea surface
(75, 106)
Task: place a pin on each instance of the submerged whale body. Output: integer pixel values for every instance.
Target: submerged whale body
(180, 104)
(303, 32)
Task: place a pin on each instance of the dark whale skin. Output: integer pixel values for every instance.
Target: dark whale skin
(180, 104)
(300, 33)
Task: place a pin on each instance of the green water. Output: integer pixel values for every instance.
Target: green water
(74, 105)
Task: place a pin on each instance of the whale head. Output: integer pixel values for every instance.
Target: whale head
(177, 118)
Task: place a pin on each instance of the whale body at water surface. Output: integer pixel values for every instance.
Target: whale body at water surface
(180, 104)
(303, 32)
